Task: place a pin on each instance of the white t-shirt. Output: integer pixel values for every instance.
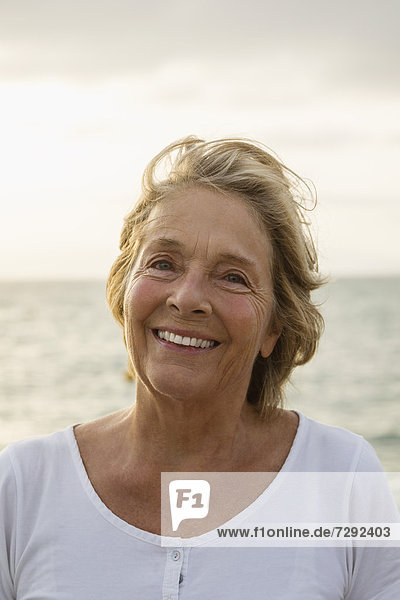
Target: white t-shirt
(58, 541)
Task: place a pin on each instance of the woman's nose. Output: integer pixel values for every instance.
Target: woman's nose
(189, 295)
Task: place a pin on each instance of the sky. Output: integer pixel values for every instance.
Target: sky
(90, 91)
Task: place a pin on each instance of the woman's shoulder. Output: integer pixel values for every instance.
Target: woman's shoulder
(37, 455)
(30, 466)
(322, 447)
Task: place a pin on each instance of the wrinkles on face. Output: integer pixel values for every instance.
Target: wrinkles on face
(261, 303)
(210, 267)
(203, 265)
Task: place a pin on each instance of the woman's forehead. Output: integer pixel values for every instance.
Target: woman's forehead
(211, 226)
(207, 215)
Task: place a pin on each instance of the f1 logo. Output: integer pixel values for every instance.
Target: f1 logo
(188, 499)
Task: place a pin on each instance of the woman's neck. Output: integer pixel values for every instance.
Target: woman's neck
(214, 434)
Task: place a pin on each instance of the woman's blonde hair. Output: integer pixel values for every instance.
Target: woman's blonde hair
(277, 197)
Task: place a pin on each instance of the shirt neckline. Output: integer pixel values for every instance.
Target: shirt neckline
(202, 539)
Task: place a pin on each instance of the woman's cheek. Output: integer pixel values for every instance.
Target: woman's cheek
(241, 311)
(142, 296)
(249, 315)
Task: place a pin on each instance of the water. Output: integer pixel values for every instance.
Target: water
(63, 361)
(62, 357)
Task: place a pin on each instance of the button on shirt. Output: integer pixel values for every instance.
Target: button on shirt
(59, 540)
(172, 573)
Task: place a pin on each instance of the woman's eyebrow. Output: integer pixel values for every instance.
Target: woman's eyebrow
(165, 243)
(172, 244)
(236, 258)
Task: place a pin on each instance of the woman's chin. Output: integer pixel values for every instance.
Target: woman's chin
(179, 386)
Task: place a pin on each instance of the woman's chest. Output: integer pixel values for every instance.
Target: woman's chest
(82, 566)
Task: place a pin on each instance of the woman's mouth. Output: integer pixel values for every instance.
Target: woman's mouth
(182, 340)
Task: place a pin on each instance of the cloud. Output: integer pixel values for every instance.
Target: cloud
(347, 43)
(92, 90)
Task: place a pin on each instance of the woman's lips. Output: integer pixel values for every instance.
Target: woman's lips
(183, 343)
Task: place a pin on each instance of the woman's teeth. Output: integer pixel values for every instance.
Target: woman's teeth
(184, 341)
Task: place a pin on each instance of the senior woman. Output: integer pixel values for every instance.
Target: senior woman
(212, 289)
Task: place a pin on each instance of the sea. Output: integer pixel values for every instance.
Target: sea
(63, 361)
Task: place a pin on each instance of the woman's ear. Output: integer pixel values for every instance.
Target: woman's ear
(270, 340)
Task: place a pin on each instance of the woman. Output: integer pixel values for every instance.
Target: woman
(212, 289)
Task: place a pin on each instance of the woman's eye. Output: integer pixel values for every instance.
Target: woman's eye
(235, 278)
(162, 265)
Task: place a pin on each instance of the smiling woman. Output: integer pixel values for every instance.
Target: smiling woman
(243, 184)
(200, 293)
(213, 291)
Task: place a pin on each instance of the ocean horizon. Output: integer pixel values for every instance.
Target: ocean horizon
(63, 361)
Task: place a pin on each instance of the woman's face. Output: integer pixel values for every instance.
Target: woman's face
(198, 304)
